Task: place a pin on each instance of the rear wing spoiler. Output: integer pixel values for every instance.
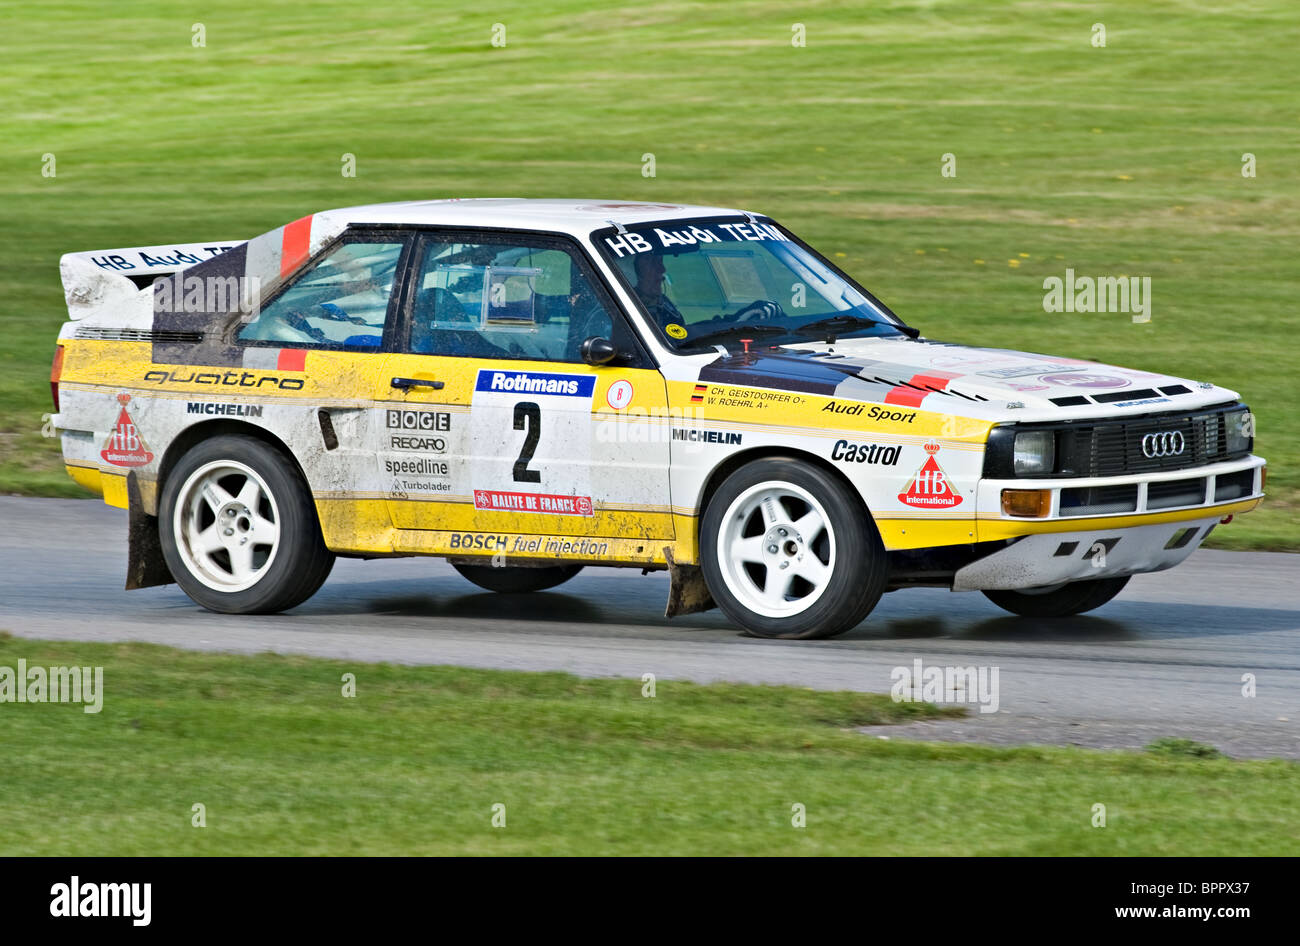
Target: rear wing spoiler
(110, 285)
(142, 264)
(98, 277)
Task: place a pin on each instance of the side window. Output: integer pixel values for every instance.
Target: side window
(508, 299)
(340, 301)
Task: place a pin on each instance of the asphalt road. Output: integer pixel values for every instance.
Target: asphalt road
(1165, 658)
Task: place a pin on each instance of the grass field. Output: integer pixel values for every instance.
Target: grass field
(1123, 160)
(283, 764)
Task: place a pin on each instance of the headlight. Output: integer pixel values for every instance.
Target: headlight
(1035, 452)
(1241, 431)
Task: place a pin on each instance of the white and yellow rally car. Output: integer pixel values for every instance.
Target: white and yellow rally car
(525, 387)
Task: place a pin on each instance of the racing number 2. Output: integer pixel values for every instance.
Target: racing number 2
(528, 416)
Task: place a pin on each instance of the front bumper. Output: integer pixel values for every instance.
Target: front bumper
(1038, 561)
(1155, 531)
(1197, 493)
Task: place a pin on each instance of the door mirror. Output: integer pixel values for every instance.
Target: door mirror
(598, 351)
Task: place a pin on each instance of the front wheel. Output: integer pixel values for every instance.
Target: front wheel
(517, 579)
(1075, 598)
(239, 530)
(788, 551)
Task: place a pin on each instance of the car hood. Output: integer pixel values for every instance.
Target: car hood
(960, 379)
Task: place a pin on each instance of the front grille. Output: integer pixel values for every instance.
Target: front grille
(1116, 448)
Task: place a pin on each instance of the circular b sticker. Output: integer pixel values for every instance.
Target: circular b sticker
(619, 395)
(675, 331)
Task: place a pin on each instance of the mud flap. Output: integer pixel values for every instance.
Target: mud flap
(687, 592)
(145, 565)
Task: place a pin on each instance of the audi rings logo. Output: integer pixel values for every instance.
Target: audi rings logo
(1167, 443)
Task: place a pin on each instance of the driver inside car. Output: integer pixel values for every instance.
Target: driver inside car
(650, 288)
(649, 271)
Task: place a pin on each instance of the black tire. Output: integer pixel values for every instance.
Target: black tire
(300, 562)
(517, 579)
(1075, 598)
(857, 573)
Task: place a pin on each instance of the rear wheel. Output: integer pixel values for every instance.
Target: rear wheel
(515, 580)
(788, 551)
(1074, 598)
(239, 530)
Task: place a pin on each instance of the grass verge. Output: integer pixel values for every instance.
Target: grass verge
(284, 764)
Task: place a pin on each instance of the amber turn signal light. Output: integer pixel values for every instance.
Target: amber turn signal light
(1027, 503)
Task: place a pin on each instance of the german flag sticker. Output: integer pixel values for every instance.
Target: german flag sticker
(700, 391)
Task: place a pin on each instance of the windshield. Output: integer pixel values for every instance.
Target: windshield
(711, 281)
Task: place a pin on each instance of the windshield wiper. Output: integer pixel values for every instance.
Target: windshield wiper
(835, 324)
(738, 331)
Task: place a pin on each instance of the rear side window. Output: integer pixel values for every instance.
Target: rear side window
(521, 297)
(339, 301)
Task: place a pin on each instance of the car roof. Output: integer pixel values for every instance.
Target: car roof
(578, 217)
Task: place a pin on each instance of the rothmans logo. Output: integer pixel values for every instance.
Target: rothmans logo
(536, 382)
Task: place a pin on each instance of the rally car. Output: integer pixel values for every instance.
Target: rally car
(525, 387)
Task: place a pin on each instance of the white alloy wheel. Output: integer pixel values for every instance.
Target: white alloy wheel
(776, 549)
(226, 525)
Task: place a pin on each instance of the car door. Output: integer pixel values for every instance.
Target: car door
(499, 437)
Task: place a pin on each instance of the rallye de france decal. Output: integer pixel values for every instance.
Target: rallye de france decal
(929, 488)
(530, 443)
(125, 446)
(505, 501)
